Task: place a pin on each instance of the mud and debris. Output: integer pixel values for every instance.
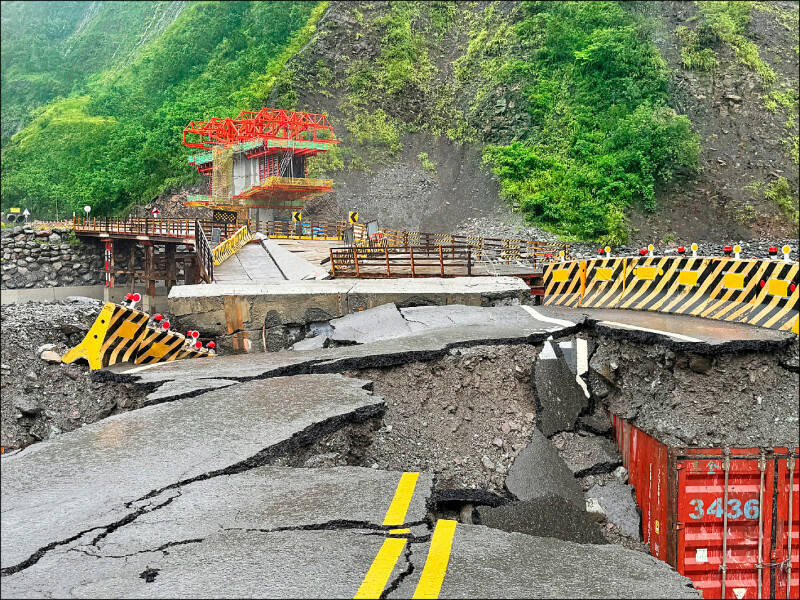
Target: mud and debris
(40, 396)
(740, 399)
(464, 417)
(469, 415)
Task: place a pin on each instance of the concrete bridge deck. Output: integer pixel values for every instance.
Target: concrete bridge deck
(269, 261)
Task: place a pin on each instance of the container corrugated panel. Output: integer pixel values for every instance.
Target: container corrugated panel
(682, 494)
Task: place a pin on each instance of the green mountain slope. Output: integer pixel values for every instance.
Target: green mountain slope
(594, 120)
(50, 49)
(117, 140)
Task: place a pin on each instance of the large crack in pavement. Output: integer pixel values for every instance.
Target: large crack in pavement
(297, 441)
(104, 531)
(301, 439)
(395, 583)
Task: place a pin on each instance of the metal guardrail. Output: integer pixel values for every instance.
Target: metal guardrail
(205, 258)
(507, 247)
(305, 230)
(231, 246)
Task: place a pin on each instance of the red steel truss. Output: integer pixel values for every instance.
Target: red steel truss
(249, 125)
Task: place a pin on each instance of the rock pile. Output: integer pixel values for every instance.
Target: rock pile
(42, 397)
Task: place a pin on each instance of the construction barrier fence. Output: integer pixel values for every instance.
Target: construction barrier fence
(121, 334)
(758, 292)
(231, 246)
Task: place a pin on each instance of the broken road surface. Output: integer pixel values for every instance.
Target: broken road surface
(189, 497)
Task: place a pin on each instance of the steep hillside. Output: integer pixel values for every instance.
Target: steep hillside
(117, 142)
(574, 109)
(743, 102)
(50, 49)
(592, 120)
(567, 102)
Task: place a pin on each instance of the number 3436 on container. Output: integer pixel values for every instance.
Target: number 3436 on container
(737, 509)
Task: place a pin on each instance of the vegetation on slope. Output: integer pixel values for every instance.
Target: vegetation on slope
(590, 133)
(51, 49)
(602, 134)
(570, 99)
(118, 142)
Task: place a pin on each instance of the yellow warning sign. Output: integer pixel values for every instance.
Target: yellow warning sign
(647, 273)
(353, 217)
(778, 287)
(297, 216)
(14, 210)
(687, 277)
(733, 281)
(561, 275)
(603, 274)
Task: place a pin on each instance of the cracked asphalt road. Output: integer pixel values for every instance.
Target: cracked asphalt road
(181, 499)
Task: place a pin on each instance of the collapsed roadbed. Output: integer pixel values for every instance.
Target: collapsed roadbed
(508, 417)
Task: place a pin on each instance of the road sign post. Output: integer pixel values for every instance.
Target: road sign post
(353, 217)
(297, 216)
(155, 212)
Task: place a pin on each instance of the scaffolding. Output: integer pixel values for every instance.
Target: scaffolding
(222, 175)
(268, 149)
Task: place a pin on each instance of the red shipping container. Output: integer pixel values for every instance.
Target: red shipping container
(741, 552)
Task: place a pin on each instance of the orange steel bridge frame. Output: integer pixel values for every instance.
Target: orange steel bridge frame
(249, 125)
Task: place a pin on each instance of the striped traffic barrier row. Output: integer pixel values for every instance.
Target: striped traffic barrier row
(605, 282)
(121, 333)
(757, 292)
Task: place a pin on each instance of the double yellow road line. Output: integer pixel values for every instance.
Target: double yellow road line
(430, 582)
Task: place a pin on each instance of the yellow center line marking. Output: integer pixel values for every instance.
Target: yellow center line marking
(375, 581)
(381, 569)
(430, 582)
(396, 514)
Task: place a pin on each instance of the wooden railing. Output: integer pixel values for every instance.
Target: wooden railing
(427, 261)
(406, 261)
(176, 228)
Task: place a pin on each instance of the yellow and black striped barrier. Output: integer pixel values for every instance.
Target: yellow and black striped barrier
(605, 282)
(564, 283)
(121, 334)
(680, 287)
(231, 246)
(757, 292)
(114, 337)
(733, 290)
(645, 279)
(776, 305)
(160, 346)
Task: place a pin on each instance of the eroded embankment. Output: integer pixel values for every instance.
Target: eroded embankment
(736, 399)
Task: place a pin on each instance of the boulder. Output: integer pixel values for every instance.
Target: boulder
(560, 397)
(548, 516)
(616, 500)
(587, 454)
(538, 471)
